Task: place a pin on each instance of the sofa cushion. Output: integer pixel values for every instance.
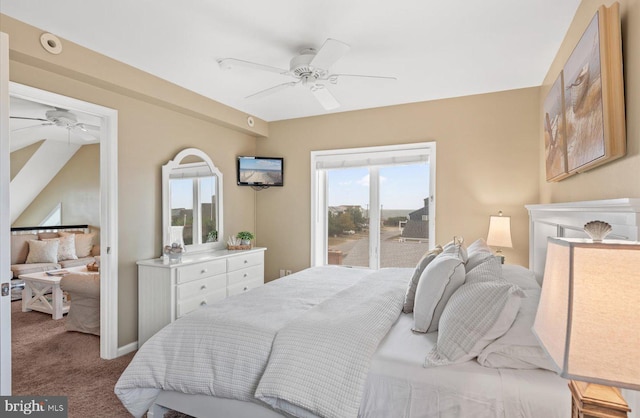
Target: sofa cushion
(42, 251)
(20, 247)
(48, 235)
(19, 269)
(84, 243)
(76, 263)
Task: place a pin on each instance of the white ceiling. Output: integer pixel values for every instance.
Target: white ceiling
(436, 49)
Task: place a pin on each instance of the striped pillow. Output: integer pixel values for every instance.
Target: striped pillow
(476, 315)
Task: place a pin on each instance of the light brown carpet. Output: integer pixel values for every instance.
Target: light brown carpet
(49, 361)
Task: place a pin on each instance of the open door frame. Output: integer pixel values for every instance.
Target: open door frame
(108, 205)
(5, 221)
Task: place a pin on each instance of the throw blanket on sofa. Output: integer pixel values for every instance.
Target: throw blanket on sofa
(223, 349)
(320, 361)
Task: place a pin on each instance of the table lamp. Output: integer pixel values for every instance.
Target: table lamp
(588, 321)
(499, 233)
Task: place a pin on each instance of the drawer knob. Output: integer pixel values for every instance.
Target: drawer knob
(246, 261)
(246, 288)
(245, 275)
(204, 286)
(204, 302)
(203, 271)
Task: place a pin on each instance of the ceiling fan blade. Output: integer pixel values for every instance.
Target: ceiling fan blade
(31, 127)
(85, 127)
(25, 118)
(333, 78)
(229, 63)
(84, 134)
(330, 52)
(324, 96)
(271, 90)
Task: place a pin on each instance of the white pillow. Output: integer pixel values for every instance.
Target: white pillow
(42, 251)
(521, 276)
(477, 252)
(456, 248)
(438, 282)
(476, 315)
(490, 269)
(410, 295)
(84, 243)
(519, 348)
(66, 247)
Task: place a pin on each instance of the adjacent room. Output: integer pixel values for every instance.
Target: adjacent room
(356, 209)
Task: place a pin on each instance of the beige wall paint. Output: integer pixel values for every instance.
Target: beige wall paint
(487, 160)
(150, 132)
(620, 178)
(76, 186)
(20, 157)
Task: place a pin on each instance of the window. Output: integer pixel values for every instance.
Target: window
(373, 207)
(54, 218)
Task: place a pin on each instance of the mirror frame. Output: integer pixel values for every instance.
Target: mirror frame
(166, 199)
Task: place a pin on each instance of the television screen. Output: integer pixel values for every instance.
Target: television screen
(260, 171)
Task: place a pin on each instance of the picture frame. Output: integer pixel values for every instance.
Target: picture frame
(591, 130)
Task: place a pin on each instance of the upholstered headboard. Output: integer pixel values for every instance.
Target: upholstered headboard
(568, 219)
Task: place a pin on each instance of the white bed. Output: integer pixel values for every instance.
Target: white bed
(396, 384)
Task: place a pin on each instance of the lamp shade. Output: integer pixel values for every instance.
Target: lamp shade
(499, 231)
(588, 319)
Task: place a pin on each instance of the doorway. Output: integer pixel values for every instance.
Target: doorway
(107, 133)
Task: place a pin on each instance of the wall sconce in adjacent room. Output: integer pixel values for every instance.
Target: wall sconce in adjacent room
(499, 233)
(588, 321)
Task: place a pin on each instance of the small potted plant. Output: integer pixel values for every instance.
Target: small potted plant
(245, 237)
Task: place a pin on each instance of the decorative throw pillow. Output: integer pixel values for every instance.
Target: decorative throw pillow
(410, 295)
(47, 235)
(520, 276)
(84, 243)
(438, 282)
(456, 248)
(477, 252)
(66, 247)
(476, 315)
(42, 252)
(20, 247)
(518, 348)
(490, 269)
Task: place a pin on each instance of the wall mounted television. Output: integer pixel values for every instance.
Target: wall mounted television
(260, 171)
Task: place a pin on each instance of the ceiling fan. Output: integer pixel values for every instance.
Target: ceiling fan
(62, 118)
(309, 68)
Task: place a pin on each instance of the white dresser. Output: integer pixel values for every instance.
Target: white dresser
(168, 291)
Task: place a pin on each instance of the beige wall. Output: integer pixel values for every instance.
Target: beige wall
(76, 186)
(155, 121)
(487, 160)
(19, 157)
(620, 178)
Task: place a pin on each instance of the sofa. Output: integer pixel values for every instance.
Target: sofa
(33, 251)
(84, 294)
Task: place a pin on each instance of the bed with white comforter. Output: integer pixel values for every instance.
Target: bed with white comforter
(331, 342)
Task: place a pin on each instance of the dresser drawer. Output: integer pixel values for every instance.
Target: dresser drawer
(200, 270)
(245, 260)
(245, 286)
(250, 273)
(201, 287)
(188, 305)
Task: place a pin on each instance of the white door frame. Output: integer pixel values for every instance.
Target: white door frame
(108, 205)
(5, 221)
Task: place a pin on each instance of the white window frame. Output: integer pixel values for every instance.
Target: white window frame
(352, 157)
(57, 211)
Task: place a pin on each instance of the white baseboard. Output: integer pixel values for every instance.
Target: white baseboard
(126, 349)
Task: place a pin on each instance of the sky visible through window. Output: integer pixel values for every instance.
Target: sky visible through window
(182, 192)
(401, 187)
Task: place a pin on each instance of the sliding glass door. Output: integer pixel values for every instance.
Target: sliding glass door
(373, 207)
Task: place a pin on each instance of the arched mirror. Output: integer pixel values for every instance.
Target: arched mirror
(192, 201)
